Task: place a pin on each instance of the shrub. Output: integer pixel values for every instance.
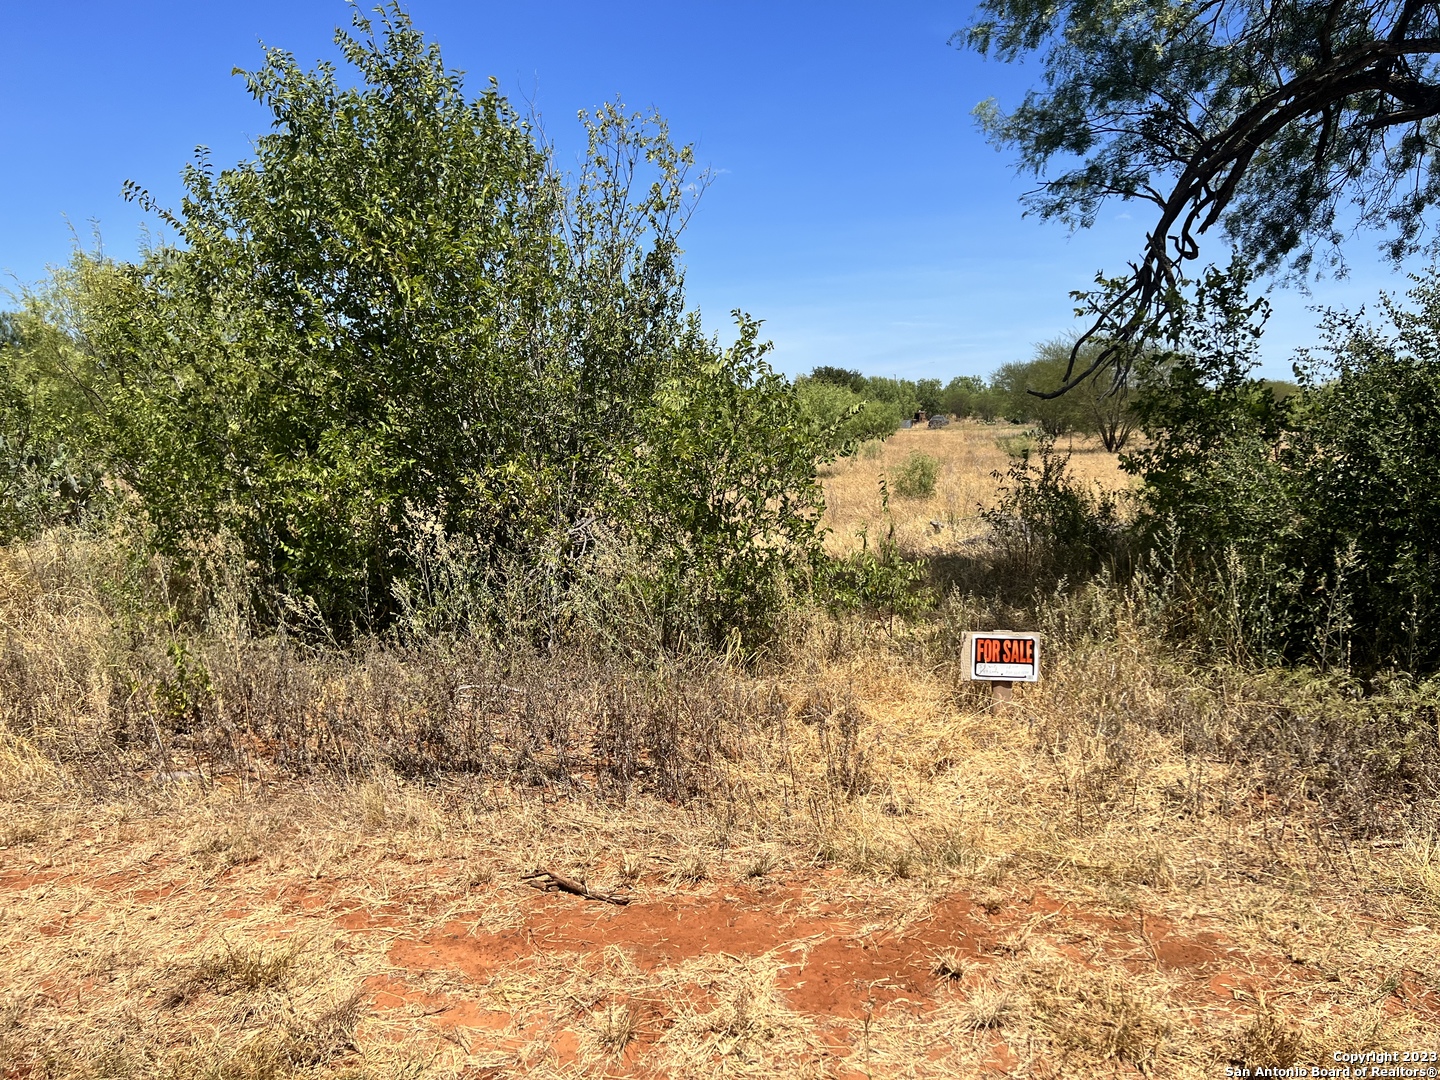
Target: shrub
(915, 479)
(47, 477)
(1302, 528)
(841, 418)
(1017, 446)
(400, 322)
(1363, 457)
(720, 498)
(881, 579)
(1046, 524)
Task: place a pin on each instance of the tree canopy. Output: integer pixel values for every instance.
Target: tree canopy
(1265, 118)
(400, 328)
(1099, 406)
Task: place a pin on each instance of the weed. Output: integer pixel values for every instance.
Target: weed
(1095, 1018)
(986, 1007)
(1421, 861)
(372, 805)
(230, 843)
(689, 870)
(951, 850)
(837, 721)
(952, 964)
(761, 865)
(631, 866)
(1017, 446)
(915, 479)
(1047, 525)
(619, 1024)
(1268, 1042)
(24, 829)
(746, 1013)
(238, 969)
(326, 1035)
(991, 901)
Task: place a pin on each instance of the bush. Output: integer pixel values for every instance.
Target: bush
(400, 321)
(1300, 529)
(1363, 458)
(47, 478)
(1046, 525)
(880, 577)
(720, 499)
(842, 419)
(915, 479)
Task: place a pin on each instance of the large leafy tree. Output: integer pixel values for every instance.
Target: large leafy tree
(1264, 118)
(343, 333)
(401, 321)
(1099, 406)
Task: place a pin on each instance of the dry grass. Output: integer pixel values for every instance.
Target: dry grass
(842, 863)
(968, 454)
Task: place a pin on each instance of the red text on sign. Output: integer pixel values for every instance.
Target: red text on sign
(1004, 651)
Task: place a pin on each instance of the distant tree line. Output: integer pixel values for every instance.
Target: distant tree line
(856, 407)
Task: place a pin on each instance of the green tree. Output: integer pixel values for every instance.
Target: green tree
(1100, 406)
(400, 318)
(1262, 118)
(1281, 389)
(841, 418)
(968, 395)
(1012, 383)
(48, 473)
(1211, 471)
(930, 395)
(838, 376)
(1301, 527)
(901, 395)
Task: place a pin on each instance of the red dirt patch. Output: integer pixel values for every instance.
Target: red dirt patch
(837, 961)
(828, 965)
(448, 1012)
(17, 879)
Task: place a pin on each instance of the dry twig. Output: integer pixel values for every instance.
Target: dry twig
(549, 881)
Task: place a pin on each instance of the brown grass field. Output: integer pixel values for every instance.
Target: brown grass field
(969, 455)
(872, 873)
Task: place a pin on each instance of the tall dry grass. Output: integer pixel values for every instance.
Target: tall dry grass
(113, 668)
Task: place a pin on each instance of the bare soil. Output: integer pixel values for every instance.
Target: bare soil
(408, 907)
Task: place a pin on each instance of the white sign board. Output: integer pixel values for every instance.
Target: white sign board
(1001, 656)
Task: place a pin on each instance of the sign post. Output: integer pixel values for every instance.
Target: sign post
(1002, 658)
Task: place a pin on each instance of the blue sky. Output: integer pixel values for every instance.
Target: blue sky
(855, 207)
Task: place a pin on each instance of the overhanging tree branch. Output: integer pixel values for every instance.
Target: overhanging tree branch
(1253, 115)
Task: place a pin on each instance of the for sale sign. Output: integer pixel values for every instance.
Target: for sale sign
(1000, 656)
